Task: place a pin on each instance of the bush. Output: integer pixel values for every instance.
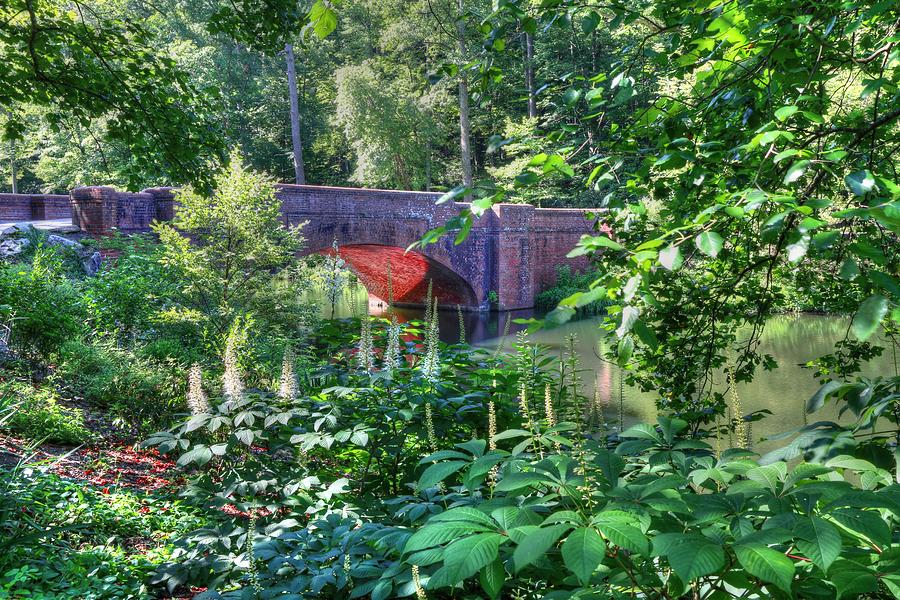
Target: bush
(36, 414)
(127, 293)
(43, 306)
(139, 391)
(568, 283)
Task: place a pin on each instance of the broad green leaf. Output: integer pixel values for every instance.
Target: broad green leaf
(818, 399)
(670, 258)
(796, 171)
(867, 523)
(769, 565)
(439, 533)
(819, 540)
(582, 552)
(611, 464)
(590, 21)
(630, 314)
(463, 558)
(439, 472)
(860, 182)
(691, 556)
(709, 243)
(492, 578)
(536, 544)
(621, 532)
(852, 579)
(784, 112)
(868, 316)
(624, 350)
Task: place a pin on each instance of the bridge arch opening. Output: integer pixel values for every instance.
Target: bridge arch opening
(410, 273)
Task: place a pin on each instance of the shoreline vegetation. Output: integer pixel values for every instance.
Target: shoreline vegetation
(178, 419)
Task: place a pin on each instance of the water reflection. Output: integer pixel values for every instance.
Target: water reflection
(791, 339)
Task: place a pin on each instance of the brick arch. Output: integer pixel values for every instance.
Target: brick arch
(410, 274)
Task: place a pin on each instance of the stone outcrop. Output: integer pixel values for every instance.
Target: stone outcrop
(14, 239)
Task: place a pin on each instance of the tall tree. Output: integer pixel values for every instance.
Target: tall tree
(465, 126)
(529, 74)
(296, 142)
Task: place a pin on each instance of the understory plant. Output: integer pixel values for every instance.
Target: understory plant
(356, 489)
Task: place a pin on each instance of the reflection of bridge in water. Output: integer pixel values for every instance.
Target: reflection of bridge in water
(511, 253)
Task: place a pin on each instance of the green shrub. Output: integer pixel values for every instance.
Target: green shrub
(568, 283)
(36, 414)
(42, 305)
(128, 292)
(136, 390)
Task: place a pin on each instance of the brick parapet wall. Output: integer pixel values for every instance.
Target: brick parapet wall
(513, 249)
(34, 207)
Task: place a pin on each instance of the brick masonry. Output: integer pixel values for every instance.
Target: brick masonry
(34, 207)
(513, 250)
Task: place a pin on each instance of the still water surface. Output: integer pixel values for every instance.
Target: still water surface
(791, 339)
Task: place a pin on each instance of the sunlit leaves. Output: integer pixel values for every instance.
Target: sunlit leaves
(796, 171)
(671, 258)
(709, 243)
(860, 182)
(783, 113)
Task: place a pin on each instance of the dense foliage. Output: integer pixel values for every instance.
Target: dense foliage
(741, 156)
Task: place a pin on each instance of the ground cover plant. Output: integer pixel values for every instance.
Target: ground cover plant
(184, 424)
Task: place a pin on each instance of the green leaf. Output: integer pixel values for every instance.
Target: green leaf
(863, 522)
(784, 112)
(818, 399)
(769, 565)
(198, 454)
(570, 97)
(819, 540)
(438, 472)
(463, 558)
(709, 243)
(590, 21)
(796, 170)
(536, 544)
(439, 533)
(582, 552)
(619, 530)
(860, 182)
(670, 258)
(624, 350)
(322, 18)
(868, 316)
(492, 578)
(852, 579)
(611, 464)
(691, 556)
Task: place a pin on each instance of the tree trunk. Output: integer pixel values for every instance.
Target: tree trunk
(529, 75)
(12, 166)
(12, 158)
(299, 175)
(465, 127)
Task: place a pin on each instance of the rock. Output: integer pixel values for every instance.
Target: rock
(11, 247)
(16, 228)
(92, 264)
(58, 240)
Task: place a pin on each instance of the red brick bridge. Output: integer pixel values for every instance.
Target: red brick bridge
(511, 254)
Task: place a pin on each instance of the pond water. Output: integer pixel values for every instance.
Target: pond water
(791, 339)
